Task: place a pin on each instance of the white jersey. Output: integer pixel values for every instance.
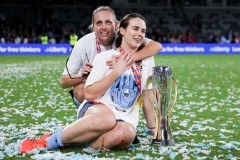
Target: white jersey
(121, 96)
(84, 50)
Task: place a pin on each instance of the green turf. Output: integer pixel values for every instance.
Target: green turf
(205, 120)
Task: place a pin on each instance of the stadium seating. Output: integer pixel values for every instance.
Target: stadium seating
(75, 15)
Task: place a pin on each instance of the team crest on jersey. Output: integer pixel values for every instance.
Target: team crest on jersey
(124, 91)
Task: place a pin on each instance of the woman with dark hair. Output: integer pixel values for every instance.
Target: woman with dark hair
(104, 29)
(108, 118)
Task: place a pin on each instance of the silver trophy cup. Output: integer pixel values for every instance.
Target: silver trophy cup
(162, 83)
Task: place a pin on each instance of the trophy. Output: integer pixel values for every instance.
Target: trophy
(162, 83)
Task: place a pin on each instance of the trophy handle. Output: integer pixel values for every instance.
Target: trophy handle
(175, 96)
(158, 116)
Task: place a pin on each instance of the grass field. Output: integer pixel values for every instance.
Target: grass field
(205, 120)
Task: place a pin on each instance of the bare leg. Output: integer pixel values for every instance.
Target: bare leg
(120, 137)
(97, 120)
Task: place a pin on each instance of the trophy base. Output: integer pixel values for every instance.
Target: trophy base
(156, 141)
(168, 142)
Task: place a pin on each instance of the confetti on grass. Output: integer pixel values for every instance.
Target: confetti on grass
(204, 121)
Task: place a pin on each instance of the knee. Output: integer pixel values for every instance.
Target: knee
(124, 136)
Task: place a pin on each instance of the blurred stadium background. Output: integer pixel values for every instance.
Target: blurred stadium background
(169, 21)
(206, 116)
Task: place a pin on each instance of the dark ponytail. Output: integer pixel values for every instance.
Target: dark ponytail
(118, 40)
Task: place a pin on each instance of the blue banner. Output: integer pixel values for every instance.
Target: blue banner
(35, 49)
(196, 48)
(168, 48)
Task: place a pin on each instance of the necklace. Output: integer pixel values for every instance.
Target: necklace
(136, 72)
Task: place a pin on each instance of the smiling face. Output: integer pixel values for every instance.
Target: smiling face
(104, 26)
(133, 35)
